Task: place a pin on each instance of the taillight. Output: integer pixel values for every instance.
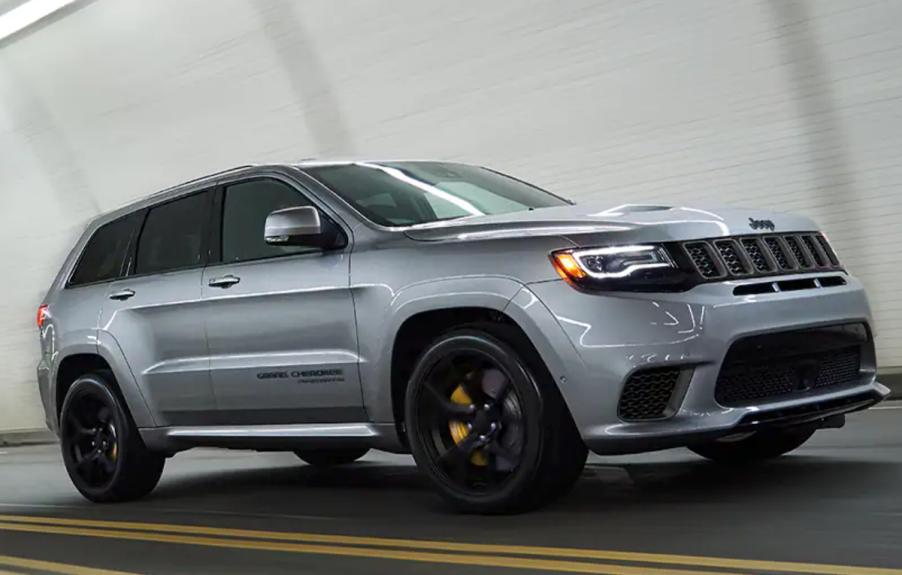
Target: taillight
(42, 315)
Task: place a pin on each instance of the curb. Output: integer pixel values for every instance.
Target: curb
(26, 437)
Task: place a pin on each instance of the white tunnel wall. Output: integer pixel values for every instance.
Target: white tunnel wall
(792, 105)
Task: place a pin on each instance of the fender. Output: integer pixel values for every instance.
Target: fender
(555, 347)
(108, 348)
(73, 343)
(377, 332)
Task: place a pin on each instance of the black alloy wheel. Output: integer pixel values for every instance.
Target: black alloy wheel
(488, 426)
(103, 452)
(94, 441)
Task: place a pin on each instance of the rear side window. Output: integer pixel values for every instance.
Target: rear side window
(244, 216)
(173, 235)
(105, 253)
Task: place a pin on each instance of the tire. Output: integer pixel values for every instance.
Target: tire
(331, 457)
(523, 450)
(103, 452)
(765, 444)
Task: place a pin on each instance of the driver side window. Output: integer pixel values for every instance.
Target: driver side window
(245, 207)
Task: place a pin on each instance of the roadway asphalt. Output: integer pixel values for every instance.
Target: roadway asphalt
(835, 502)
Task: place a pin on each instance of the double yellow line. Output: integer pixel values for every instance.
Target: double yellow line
(486, 555)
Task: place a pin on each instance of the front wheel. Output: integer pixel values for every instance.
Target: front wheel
(487, 424)
(104, 455)
(330, 457)
(765, 444)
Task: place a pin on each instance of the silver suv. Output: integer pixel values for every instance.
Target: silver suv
(492, 329)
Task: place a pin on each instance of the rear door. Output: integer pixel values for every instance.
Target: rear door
(280, 320)
(155, 313)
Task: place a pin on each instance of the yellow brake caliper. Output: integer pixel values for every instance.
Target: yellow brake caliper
(459, 429)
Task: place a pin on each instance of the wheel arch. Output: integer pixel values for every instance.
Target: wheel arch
(415, 331)
(104, 356)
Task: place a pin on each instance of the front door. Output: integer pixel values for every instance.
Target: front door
(155, 313)
(280, 320)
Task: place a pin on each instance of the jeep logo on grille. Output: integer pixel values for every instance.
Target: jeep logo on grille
(761, 224)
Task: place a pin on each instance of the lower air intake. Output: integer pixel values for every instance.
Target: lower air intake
(647, 394)
(777, 366)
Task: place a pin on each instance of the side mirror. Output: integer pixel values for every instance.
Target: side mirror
(300, 226)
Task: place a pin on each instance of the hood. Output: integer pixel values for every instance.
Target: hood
(582, 224)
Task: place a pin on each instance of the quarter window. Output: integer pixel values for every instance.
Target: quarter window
(105, 252)
(244, 217)
(173, 235)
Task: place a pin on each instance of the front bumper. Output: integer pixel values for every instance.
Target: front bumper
(608, 337)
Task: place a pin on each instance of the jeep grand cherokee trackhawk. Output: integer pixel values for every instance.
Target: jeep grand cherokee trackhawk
(495, 331)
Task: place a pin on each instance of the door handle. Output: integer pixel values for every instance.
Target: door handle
(122, 295)
(224, 281)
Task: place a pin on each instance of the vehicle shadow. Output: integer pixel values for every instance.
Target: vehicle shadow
(374, 489)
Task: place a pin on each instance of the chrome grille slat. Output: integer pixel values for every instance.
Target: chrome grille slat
(753, 256)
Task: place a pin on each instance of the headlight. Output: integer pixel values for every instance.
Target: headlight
(629, 268)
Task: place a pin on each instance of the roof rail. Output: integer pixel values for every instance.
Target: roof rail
(201, 178)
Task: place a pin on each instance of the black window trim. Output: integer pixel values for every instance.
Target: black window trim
(126, 260)
(204, 251)
(215, 235)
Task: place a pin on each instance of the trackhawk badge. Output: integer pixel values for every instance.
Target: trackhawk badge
(761, 224)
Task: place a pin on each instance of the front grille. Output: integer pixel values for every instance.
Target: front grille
(780, 365)
(647, 393)
(759, 256)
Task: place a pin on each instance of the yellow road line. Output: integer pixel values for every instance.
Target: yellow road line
(62, 568)
(478, 560)
(569, 553)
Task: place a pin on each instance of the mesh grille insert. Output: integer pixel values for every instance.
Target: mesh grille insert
(730, 254)
(703, 260)
(831, 255)
(756, 254)
(796, 247)
(815, 253)
(647, 394)
(776, 250)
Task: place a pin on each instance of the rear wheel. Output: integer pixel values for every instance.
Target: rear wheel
(487, 424)
(765, 444)
(104, 455)
(330, 457)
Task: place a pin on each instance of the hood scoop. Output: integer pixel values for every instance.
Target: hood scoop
(634, 209)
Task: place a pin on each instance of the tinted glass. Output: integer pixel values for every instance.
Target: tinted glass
(173, 235)
(407, 193)
(244, 217)
(105, 252)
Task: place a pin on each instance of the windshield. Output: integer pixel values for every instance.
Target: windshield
(408, 193)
